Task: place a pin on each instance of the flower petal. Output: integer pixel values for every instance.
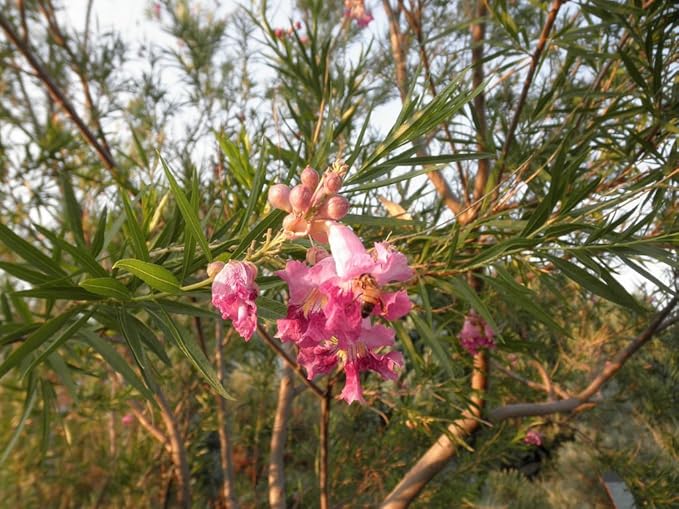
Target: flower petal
(351, 258)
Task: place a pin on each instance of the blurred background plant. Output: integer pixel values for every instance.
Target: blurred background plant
(522, 154)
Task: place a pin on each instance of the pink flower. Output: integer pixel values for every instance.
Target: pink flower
(476, 334)
(355, 9)
(234, 292)
(127, 419)
(327, 315)
(533, 437)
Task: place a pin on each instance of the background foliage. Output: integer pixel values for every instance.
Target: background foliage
(104, 243)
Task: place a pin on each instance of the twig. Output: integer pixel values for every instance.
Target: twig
(323, 448)
(59, 98)
(286, 394)
(290, 362)
(228, 490)
(575, 403)
(439, 454)
(535, 59)
(478, 34)
(527, 382)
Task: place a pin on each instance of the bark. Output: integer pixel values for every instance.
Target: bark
(279, 433)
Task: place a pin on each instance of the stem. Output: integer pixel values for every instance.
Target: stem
(286, 395)
(323, 448)
(228, 491)
(290, 362)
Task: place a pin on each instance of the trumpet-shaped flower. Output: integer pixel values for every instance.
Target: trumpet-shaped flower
(476, 334)
(234, 292)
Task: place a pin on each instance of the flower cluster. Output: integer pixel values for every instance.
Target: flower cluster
(476, 334)
(331, 307)
(335, 297)
(312, 202)
(355, 9)
(281, 33)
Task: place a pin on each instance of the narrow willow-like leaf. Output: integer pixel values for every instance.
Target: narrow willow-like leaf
(35, 340)
(29, 402)
(106, 286)
(190, 349)
(134, 342)
(82, 257)
(58, 293)
(117, 362)
(432, 340)
(272, 221)
(98, 240)
(72, 209)
(23, 272)
(270, 309)
(188, 213)
(466, 292)
(137, 237)
(29, 253)
(155, 276)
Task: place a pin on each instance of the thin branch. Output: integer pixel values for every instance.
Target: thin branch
(478, 34)
(527, 382)
(399, 54)
(323, 448)
(575, 403)
(286, 394)
(290, 362)
(535, 59)
(59, 98)
(228, 488)
(439, 454)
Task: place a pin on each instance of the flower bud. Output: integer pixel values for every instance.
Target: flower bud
(310, 177)
(337, 207)
(279, 197)
(214, 268)
(332, 182)
(300, 198)
(294, 224)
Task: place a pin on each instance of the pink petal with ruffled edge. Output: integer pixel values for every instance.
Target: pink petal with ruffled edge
(351, 258)
(234, 292)
(390, 265)
(395, 305)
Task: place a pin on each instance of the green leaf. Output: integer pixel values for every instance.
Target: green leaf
(117, 362)
(188, 213)
(58, 293)
(270, 309)
(81, 255)
(35, 340)
(133, 225)
(427, 334)
(29, 253)
(594, 285)
(190, 349)
(72, 209)
(68, 333)
(155, 276)
(23, 272)
(130, 333)
(29, 402)
(106, 286)
(466, 292)
(271, 221)
(98, 240)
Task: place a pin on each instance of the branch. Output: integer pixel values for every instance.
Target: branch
(535, 59)
(399, 54)
(323, 448)
(478, 33)
(610, 369)
(59, 98)
(289, 361)
(286, 394)
(228, 490)
(439, 454)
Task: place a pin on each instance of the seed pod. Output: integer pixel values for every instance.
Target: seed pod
(337, 207)
(332, 182)
(309, 177)
(279, 197)
(300, 198)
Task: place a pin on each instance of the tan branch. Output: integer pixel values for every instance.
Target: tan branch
(439, 454)
(478, 34)
(535, 59)
(286, 394)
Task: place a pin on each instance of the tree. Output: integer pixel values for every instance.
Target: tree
(531, 168)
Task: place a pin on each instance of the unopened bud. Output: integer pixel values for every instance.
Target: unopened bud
(310, 177)
(332, 182)
(279, 197)
(214, 268)
(337, 207)
(300, 198)
(294, 224)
